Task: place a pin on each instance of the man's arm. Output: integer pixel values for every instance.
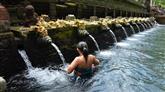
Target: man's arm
(72, 66)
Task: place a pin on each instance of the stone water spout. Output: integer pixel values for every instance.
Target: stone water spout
(85, 32)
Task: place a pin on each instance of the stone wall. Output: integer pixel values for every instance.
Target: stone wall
(82, 9)
(42, 54)
(10, 63)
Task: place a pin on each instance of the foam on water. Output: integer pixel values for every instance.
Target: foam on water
(122, 44)
(138, 35)
(46, 76)
(132, 39)
(106, 53)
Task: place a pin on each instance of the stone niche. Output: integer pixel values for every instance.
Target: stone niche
(41, 53)
(66, 39)
(10, 61)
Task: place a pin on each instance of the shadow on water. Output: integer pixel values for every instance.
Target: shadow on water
(134, 65)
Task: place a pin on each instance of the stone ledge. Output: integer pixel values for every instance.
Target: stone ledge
(2, 84)
(5, 35)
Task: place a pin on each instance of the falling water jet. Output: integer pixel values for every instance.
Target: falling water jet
(133, 30)
(124, 31)
(149, 24)
(95, 42)
(155, 22)
(26, 59)
(59, 53)
(143, 26)
(47, 39)
(113, 35)
(85, 32)
(138, 27)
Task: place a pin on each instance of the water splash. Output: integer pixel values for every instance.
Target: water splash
(59, 53)
(125, 32)
(114, 37)
(133, 30)
(123, 44)
(47, 76)
(96, 44)
(139, 35)
(132, 39)
(26, 59)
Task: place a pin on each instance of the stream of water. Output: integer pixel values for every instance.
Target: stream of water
(125, 32)
(96, 44)
(113, 35)
(59, 53)
(133, 30)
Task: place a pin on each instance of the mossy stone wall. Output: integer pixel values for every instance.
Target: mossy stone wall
(10, 61)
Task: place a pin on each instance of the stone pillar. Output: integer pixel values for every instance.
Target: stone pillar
(121, 13)
(142, 15)
(139, 14)
(148, 5)
(2, 84)
(94, 11)
(114, 13)
(106, 11)
(131, 14)
(126, 13)
(52, 9)
(79, 11)
(135, 14)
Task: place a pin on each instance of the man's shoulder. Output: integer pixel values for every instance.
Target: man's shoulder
(92, 56)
